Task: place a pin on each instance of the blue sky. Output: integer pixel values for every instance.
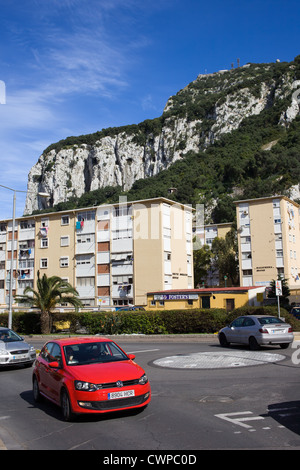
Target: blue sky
(73, 67)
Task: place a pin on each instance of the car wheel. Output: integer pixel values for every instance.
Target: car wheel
(284, 345)
(223, 340)
(66, 407)
(253, 344)
(36, 390)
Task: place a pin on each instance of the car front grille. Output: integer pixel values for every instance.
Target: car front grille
(126, 383)
(19, 351)
(118, 403)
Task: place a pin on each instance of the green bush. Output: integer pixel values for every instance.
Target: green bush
(195, 321)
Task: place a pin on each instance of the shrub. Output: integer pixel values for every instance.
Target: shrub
(145, 322)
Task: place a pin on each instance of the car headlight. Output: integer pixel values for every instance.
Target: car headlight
(143, 380)
(85, 386)
(3, 352)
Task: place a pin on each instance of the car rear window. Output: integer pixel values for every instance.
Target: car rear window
(269, 320)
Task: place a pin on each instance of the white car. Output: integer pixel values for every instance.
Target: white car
(14, 350)
(257, 330)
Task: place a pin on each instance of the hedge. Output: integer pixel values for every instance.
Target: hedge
(144, 322)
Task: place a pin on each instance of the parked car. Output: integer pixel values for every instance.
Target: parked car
(257, 330)
(127, 309)
(14, 350)
(296, 312)
(89, 375)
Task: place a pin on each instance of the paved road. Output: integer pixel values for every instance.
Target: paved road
(244, 405)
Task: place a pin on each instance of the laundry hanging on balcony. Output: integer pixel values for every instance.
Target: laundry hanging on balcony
(79, 224)
(43, 231)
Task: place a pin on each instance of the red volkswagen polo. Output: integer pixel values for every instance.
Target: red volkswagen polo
(89, 375)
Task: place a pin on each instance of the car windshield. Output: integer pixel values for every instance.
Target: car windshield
(9, 336)
(93, 353)
(269, 320)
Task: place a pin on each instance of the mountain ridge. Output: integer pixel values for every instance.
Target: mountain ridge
(212, 131)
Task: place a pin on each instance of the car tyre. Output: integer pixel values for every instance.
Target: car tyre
(66, 407)
(36, 390)
(223, 341)
(253, 344)
(284, 345)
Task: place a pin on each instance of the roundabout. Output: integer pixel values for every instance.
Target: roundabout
(218, 360)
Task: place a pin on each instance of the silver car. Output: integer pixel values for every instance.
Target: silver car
(257, 330)
(14, 350)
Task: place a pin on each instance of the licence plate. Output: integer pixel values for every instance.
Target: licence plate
(121, 394)
(19, 356)
(278, 331)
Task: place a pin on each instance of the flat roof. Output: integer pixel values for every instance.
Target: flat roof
(278, 196)
(113, 204)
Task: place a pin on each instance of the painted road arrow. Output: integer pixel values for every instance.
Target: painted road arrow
(239, 420)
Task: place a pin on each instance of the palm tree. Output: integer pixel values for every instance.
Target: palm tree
(50, 292)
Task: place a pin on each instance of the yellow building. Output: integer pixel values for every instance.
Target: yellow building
(226, 298)
(112, 254)
(269, 241)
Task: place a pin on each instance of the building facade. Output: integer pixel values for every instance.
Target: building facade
(112, 254)
(269, 241)
(227, 298)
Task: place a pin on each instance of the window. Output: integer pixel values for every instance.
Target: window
(87, 215)
(27, 224)
(85, 281)
(125, 210)
(44, 243)
(84, 259)
(44, 263)
(119, 234)
(45, 223)
(23, 284)
(64, 262)
(65, 241)
(65, 220)
(88, 238)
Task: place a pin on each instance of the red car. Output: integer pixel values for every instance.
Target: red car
(89, 375)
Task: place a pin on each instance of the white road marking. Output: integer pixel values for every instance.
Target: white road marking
(239, 420)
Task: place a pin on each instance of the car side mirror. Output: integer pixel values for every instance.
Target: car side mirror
(54, 365)
(131, 356)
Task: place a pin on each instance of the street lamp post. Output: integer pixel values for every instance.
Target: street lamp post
(12, 249)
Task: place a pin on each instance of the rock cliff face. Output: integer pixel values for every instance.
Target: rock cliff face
(192, 120)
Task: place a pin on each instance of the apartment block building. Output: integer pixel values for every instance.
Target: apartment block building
(269, 241)
(112, 254)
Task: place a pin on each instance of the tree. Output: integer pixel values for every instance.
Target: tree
(225, 256)
(202, 263)
(50, 292)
